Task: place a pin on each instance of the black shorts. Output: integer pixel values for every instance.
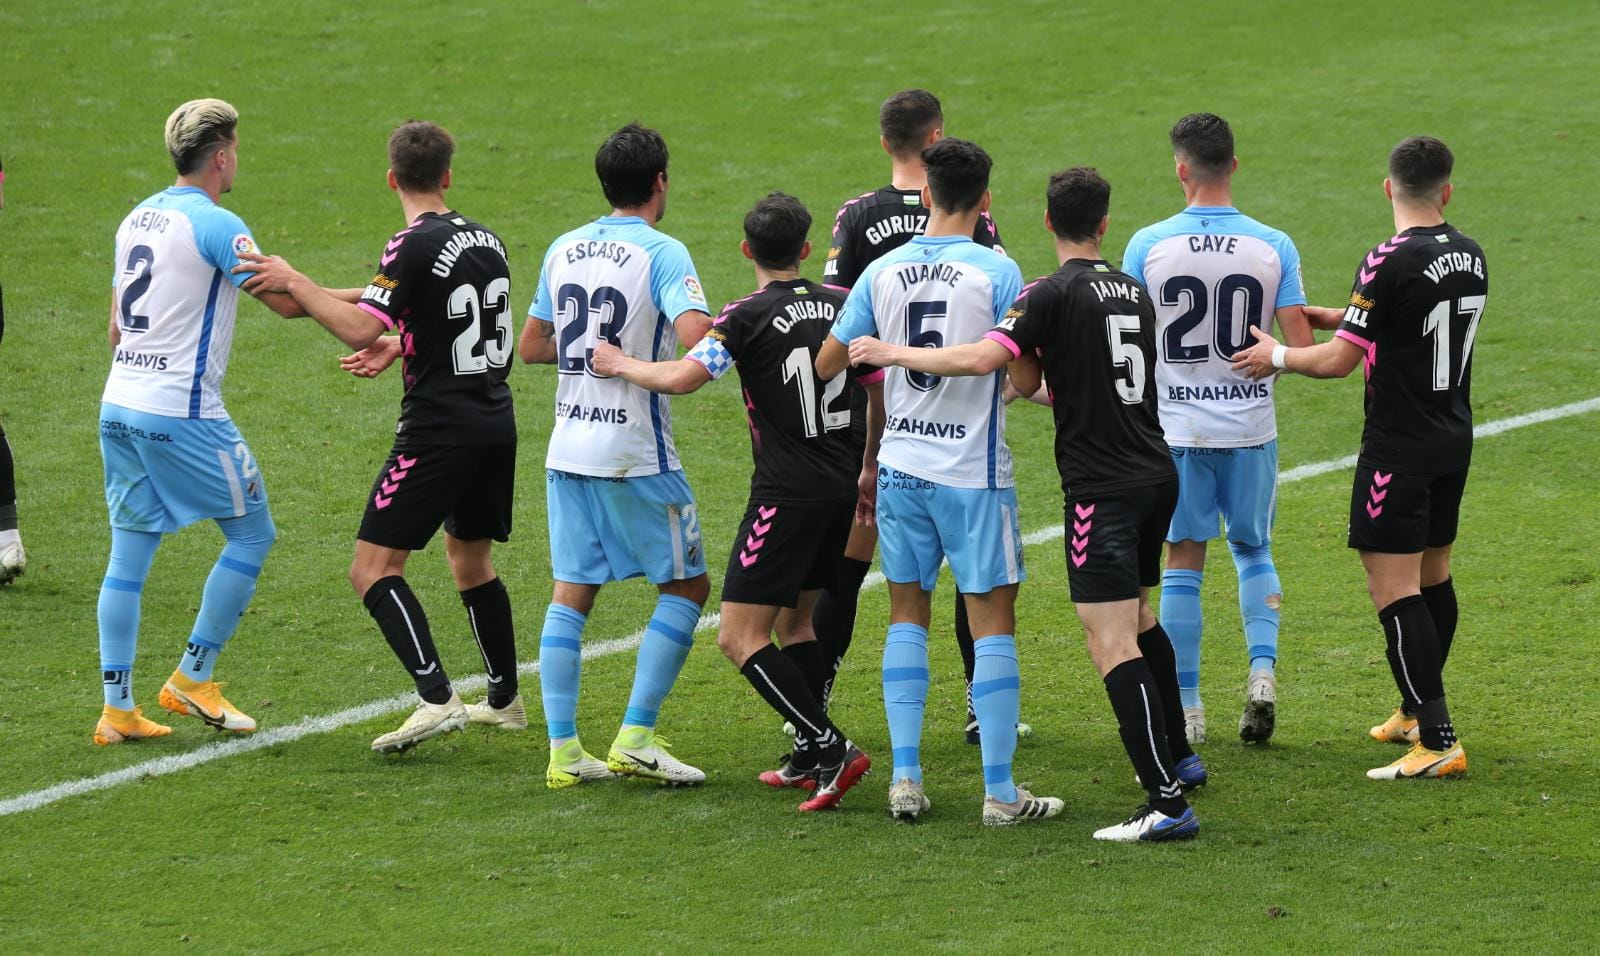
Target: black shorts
(783, 549)
(1404, 514)
(466, 488)
(1114, 541)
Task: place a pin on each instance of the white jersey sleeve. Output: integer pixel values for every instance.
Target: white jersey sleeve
(621, 280)
(175, 298)
(1213, 274)
(932, 293)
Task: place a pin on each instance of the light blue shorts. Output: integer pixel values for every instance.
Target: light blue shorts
(611, 529)
(1239, 486)
(922, 523)
(163, 473)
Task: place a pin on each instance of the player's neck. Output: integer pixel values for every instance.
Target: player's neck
(647, 212)
(1210, 195)
(1417, 216)
(206, 184)
(415, 204)
(907, 173)
(1072, 249)
(765, 277)
(942, 223)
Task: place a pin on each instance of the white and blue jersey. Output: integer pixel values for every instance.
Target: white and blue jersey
(175, 296)
(1213, 273)
(930, 293)
(619, 279)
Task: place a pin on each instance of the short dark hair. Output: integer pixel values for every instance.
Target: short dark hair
(1204, 141)
(1078, 199)
(906, 119)
(958, 174)
(776, 230)
(1419, 165)
(420, 154)
(628, 163)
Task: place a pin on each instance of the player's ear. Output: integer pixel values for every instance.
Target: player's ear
(884, 142)
(661, 181)
(1105, 221)
(927, 198)
(936, 135)
(983, 204)
(1388, 188)
(445, 182)
(805, 247)
(1048, 225)
(1444, 195)
(744, 248)
(1235, 167)
(393, 182)
(1181, 168)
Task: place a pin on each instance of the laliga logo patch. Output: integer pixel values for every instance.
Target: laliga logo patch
(243, 244)
(692, 286)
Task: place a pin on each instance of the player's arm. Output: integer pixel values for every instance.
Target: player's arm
(1335, 358)
(349, 322)
(867, 482)
(1295, 326)
(831, 359)
(672, 377)
(114, 331)
(1027, 377)
(691, 327)
(537, 346)
(974, 358)
(1319, 317)
(371, 361)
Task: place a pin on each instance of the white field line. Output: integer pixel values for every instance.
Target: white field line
(327, 723)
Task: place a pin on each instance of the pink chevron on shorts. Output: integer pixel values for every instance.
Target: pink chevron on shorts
(1377, 493)
(757, 538)
(1080, 535)
(390, 482)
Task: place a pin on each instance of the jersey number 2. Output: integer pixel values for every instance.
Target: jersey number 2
(140, 260)
(496, 348)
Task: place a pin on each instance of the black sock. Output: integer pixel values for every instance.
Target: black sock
(1163, 663)
(8, 486)
(1434, 728)
(964, 645)
(1441, 600)
(833, 617)
(489, 613)
(807, 657)
(1137, 704)
(1413, 651)
(405, 627)
(780, 683)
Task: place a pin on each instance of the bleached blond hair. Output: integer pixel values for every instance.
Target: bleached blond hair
(198, 128)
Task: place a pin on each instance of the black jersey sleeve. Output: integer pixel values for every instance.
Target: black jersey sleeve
(723, 343)
(846, 257)
(386, 296)
(1371, 298)
(987, 233)
(1029, 324)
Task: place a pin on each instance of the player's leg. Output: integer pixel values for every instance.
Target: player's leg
(1155, 505)
(818, 537)
(410, 498)
(138, 519)
(228, 591)
(834, 617)
(1438, 587)
(1247, 487)
(578, 564)
(13, 560)
(1391, 536)
(653, 521)
(911, 553)
(963, 629)
(1194, 522)
(481, 517)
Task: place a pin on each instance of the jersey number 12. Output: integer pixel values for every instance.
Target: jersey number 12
(798, 367)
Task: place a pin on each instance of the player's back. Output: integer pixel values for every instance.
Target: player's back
(1094, 328)
(1214, 273)
(445, 284)
(932, 293)
(621, 280)
(1417, 302)
(876, 223)
(175, 301)
(801, 433)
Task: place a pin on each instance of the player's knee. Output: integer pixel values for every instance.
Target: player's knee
(696, 589)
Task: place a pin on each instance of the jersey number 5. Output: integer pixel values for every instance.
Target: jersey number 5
(472, 353)
(1126, 357)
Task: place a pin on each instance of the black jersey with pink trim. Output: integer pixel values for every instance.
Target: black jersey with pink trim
(444, 285)
(801, 434)
(874, 223)
(1094, 330)
(1415, 308)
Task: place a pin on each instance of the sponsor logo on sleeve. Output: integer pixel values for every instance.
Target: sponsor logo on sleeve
(1360, 301)
(1009, 322)
(243, 244)
(697, 295)
(833, 252)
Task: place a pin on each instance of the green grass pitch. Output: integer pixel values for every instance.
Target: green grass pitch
(318, 844)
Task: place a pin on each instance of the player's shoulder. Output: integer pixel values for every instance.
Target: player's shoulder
(1177, 224)
(852, 208)
(992, 261)
(1244, 225)
(744, 309)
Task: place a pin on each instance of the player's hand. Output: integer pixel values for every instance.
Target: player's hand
(867, 495)
(607, 359)
(867, 350)
(1256, 361)
(372, 360)
(1323, 318)
(272, 273)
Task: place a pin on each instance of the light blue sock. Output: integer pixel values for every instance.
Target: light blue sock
(228, 590)
(560, 657)
(662, 651)
(1259, 594)
(118, 611)
(997, 700)
(1180, 618)
(905, 694)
